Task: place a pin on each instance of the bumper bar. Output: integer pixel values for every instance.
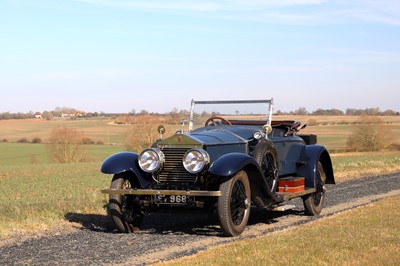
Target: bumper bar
(196, 193)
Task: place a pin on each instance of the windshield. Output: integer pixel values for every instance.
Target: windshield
(249, 110)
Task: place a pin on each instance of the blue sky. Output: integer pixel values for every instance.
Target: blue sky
(115, 56)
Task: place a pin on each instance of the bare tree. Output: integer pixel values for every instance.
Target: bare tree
(301, 111)
(370, 134)
(65, 145)
(142, 135)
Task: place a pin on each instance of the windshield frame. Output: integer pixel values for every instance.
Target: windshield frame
(269, 102)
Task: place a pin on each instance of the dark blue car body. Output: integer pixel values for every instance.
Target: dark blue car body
(236, 162)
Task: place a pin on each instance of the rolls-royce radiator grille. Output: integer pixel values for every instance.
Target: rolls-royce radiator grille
(173, 170)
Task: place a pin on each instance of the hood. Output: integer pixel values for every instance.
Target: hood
(212, 136)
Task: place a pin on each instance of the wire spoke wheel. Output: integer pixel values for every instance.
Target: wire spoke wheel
(319, 194)
(314, 203)
(234, 204)
(270, 171)
(266, 156)
(124, 210)
(238, 203)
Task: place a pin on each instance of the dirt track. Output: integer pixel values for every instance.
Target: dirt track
(165, 236)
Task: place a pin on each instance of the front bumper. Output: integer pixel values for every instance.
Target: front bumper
(194, 193)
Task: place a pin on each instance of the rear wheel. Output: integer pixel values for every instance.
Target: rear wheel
(266, 156)
(234, 204)
(124, 210)
(314, 203)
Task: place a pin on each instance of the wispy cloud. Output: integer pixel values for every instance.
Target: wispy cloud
(201, 6)
(382, 12)
(274, 11)
(198, 6)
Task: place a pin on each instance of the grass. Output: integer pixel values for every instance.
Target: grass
(26, 153)
(349, 166)
(369, 235)
(39, 196)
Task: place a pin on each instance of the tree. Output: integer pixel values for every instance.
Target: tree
(370, 134)
(36, 140)
(320, 111)
(47, 115)
(65, 145)
(301, 111)
(389, 112)
(328, 112)
(141, 135)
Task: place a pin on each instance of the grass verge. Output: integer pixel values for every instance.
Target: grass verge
(349, 166)
(368, 235)
(40, 196)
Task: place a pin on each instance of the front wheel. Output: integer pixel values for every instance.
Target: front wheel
(124, 210)
(234, 204)
(314, 202)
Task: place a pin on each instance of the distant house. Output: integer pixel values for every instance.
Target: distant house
(38, 115)
(69, 115)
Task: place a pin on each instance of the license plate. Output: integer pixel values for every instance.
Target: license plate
(171, 199)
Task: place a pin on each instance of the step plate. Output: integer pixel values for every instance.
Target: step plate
(288, 195)
(283, 208)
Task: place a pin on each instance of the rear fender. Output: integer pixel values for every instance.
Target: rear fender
(312, 155)
(124, 162)
(230, 164)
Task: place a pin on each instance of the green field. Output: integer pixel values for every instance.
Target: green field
(26, 153)
(332, 131)
(334, 137)
(97, 129)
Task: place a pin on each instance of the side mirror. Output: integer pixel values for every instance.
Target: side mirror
(266, 129)
(161, 130)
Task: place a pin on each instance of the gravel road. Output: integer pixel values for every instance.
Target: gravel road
(165, 236)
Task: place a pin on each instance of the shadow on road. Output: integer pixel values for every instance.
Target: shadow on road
(93, 222)
(175, 222)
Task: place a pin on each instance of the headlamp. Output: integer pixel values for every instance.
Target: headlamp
(196, 160)
(151, 160)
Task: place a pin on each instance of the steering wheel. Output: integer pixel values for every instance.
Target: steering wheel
(212, 121)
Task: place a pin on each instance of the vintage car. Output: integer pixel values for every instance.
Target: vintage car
(231, 161)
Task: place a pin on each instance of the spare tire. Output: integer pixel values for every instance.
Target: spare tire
(266, 156)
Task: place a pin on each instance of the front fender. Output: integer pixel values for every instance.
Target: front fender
(229, 164)
(312, 155)
(123, 162)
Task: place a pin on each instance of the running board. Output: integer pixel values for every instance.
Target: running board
(289, 195)
(283, 208)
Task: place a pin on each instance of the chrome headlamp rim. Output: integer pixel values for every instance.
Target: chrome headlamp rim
(196, 160)
(151, 160)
